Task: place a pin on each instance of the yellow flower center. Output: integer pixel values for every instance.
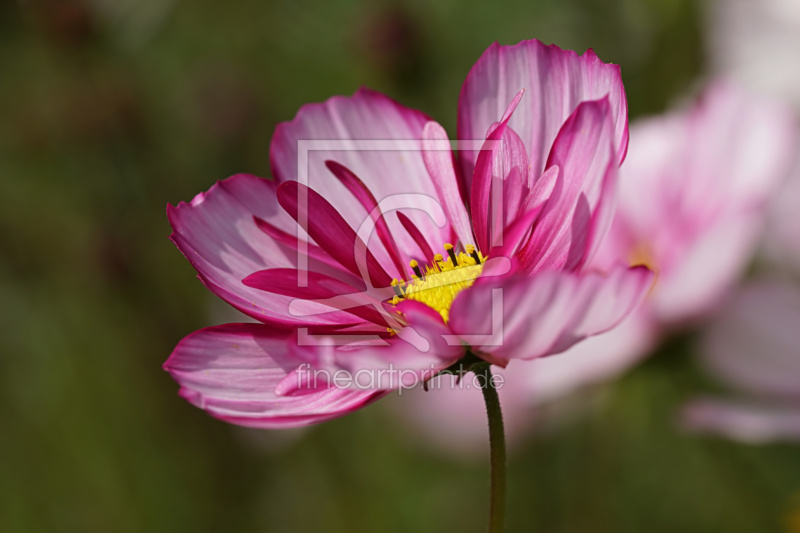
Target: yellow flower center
(439, 284)
(642, 255)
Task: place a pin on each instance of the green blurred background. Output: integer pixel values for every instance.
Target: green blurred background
(112, 108)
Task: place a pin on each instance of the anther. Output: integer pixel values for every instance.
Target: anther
(471, 251)
(415, 267)
(449, 248)
(396, 287)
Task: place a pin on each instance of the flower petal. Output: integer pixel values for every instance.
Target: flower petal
(749, 142)
(576, 216)
(597, 358)
(364, 195)
(331, 232)
(754, 344)
(416, 235)
(323, 289)
(231, 371)
(525, 317)
(439, 161)
(555, 81)
(379, 141)
(704, 269)
(405, 360)
(322, 262)
(518, 232)
(753, 424)
(500, 183)
(219, 236)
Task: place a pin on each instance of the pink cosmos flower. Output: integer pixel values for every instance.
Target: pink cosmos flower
(753, 347)
(693, 193)
(375, 250)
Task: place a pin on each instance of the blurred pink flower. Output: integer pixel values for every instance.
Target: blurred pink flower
(753, 347)
(526, 213)
(693, 193)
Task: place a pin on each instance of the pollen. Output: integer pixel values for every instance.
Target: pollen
(438, 284)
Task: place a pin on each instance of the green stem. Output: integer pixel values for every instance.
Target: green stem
(497, 445)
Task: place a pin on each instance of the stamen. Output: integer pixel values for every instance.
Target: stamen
(449, 249)
(471, 251)
(415, 267)
(397, 289)
(437, 284)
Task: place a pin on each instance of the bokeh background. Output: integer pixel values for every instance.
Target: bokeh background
(109, 109)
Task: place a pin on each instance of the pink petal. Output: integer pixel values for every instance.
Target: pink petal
(781, 239)
(323, 289)
(555, 81)
(704, 269)
(749, 139)
(231, 371)
(330, 230)
(379, 141)
(319, 260)
(602, 217)
(419, 239)
(500, 183)
(754, 344)
(439, 161)
(417, 351)
(598, 358)
(753, 424)
(576, 215)
(525, 317)
(517, 233)
(218, 234)
(364, 195)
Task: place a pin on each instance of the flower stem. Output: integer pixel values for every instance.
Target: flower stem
(497, 445)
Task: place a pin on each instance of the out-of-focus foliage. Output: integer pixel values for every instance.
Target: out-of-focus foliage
(110, 109)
